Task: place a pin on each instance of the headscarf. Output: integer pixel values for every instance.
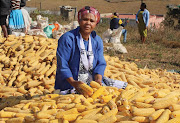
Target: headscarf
(88, 9)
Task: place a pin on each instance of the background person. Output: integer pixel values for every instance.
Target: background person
(142, 19)
(116, 22)
(16, 21)
(26, 17)
(4, 12)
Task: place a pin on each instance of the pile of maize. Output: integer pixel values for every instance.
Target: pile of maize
(28, 66)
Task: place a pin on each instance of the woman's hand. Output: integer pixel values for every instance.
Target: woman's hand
(98, 78)
(75, 84)
(137, 21)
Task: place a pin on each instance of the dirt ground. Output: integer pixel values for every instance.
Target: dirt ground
(126, 6)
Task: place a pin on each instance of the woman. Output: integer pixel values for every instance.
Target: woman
(16, 21)
(26, 17)
(142, 19)
(80, 54)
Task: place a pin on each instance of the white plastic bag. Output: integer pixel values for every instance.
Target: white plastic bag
(42, 22)
(116, 35)
(37, 32)
(106, 35)
(119, 47)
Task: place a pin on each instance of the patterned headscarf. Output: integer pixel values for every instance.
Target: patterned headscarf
(88, 9)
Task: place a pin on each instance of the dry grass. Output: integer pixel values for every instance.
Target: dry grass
(154, 6)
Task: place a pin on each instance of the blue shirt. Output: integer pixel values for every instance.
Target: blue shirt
(145, 16)
(68, 57)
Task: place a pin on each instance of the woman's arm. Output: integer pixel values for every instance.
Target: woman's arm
(147, 18)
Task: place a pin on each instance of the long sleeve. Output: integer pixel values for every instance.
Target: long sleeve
(63, 56)
(101, 63)
(147, 18)
(137, 15)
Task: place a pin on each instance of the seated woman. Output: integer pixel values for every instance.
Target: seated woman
(16, 21)
(80, 56)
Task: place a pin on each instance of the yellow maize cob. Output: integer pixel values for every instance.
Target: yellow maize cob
(87, 112)
(175, 114)
(164, 104)
(164, 117)
(87, 89)
(108, 114)
(7, 114)
(106, 99)
(94, 84)
(86, 121)
(78, 99)
(85, 102)
(70, 111)
(123, 107)
(110, 119)
(65, 121)
(141, 119)
(98, 93)
(174, 120)
(142, 105)
(15, 120)
(54, 121)
(174, 107)
(42, 115)
(96, 117)
(80, 107)
(69, 106)
(105, 109)
(88, 116)
(128, 122)
(22, 114)
(112, 104)
(42, 121)
(155, 115)
(70, 117)
(143, 111)
(29, 118)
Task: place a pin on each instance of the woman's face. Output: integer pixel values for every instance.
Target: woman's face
(87, 23)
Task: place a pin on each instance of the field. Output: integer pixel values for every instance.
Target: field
(131, 6)
(162, 49)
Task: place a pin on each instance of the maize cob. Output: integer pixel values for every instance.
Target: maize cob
(164, 104)
(80, 107)
(108, 114)
(141, 119)
(29, 118)
(142, 105)
(155, 115)
(98, 93)
(174, 107)
(174, 120)
(7, 114)
(15, 120)
(94, 84)
(96, 117)
(87, 89)
(175, 114)
(110, 119)
(70, 111)
(86, 121)
(42, 121)
(106, 99)
(164, 117)
(112, 104)
(42, 115)
(70, 117)
(86, 112)
(105, 109)
(128, 122)
(94, 112)
(65, 121)
(69, 106)
(143, 111)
